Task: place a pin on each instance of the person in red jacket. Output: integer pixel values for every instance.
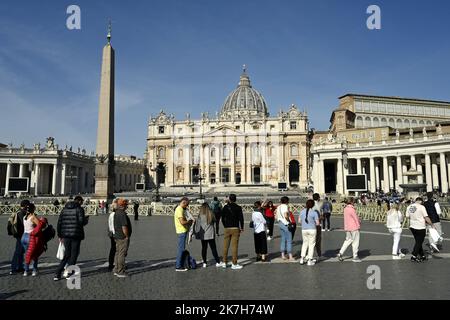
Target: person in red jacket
(35, 246)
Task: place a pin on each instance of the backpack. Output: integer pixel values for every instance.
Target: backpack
(12, 227)
(431, 211)
(326, 207)
(48, 233)
(192, 264)
(216, 207)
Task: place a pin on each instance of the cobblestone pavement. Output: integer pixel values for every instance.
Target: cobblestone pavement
(152, 273)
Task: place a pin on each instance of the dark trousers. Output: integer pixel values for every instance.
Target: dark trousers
(17, 260)
(419, 237)
(326, 220)
(71, 252)
(270, 224)
(293, 231)
(319, 241)
(212, 245)
(112, 253)
(260, 242)
(136, 215)
(217, 215)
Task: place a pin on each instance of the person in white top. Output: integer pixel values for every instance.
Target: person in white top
(259, 232)
(282, 217)
(394, 224)
(418, 219)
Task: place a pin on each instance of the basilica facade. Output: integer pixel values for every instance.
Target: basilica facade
(241, 145)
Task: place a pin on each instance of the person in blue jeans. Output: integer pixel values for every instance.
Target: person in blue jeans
(182, 224)
(17, 232)
(286, 236)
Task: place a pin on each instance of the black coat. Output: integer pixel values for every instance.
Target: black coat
(71, 221)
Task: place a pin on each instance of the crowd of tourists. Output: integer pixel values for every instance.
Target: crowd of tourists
(32, 232)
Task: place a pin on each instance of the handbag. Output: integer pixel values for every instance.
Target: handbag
(434, 234)
(251, 224)
(61, 251)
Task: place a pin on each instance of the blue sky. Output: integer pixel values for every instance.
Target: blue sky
(186, 56)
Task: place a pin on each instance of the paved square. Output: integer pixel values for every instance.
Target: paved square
(152, 272)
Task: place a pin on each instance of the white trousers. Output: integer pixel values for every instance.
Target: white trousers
(396, 233)
(352, 238)
(309, 242)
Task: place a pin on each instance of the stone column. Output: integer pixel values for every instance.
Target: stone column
(391, 175)
(420, 170)
(8, 175)
(358, 166)
(218, 147)
(428, 176)
(170, 163)
(36, 178)
(263, 153)
(187, 164)
(377, 174)
(207, 154)
(249, 163)
(233, 163)
(434, 168)
(448, 169)
(385, 175)
(54, 175)
(82, 182)
(321, 177)
(339, 177)
(202, 159)
(21, 170)
(399, 173)
(413, 162)
(63, 178)
(443, 165)
(372, 175)
(244, 163)
(363, 164)
(345, 179)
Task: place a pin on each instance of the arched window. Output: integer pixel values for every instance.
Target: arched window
(226, 152)
(392, 123)
(414, 123)
(238, 152)
(376, 122)
(407, 123)
(367, 122)
(213, 153)
(161, 153)
(429, 123)
(359, 122)
(294, 150)
(180, 153)
(383, 122)
(399, 123)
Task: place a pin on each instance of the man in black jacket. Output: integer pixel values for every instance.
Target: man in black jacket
(233, 223)
(17, 232)
(71, 224)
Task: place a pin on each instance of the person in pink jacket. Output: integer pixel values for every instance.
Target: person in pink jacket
(352, 225)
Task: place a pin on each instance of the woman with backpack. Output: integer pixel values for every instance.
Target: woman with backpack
(269, 213)
(206, 233)
(259, 232)
(33, 239)
(394, 222)
(309, 219)
(283, 218)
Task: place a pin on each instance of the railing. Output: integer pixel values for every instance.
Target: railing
(371, 212)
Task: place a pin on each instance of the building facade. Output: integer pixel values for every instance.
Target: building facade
(393, 141)
(241, 145)
(55, 171)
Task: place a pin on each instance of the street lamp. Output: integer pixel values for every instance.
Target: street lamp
(200, 178)
(158, 170)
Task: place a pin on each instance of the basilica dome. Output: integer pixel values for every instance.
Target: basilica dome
(244, 102)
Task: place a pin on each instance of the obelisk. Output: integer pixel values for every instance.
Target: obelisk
(104, 165)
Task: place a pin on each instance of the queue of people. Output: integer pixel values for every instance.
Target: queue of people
(31, 232)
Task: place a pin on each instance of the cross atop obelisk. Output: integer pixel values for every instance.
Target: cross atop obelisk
(104, 168)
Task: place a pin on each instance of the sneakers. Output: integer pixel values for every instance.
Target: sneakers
(396, 257)
(56, 278)
(434, 247)
(356, 259)
(311, 262)
(177, 269)
(269, 238)
(34, 273)
(65, 273)
(340, 257)
(221, 265)
(236, 267)
(218, 264)
(204, 265)
(415, 259)
(328, 229)
(401, 255)
(124, 275)
(302, 261)
(25, 273)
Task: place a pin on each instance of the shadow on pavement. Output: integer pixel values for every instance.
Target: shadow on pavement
(5, 296)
